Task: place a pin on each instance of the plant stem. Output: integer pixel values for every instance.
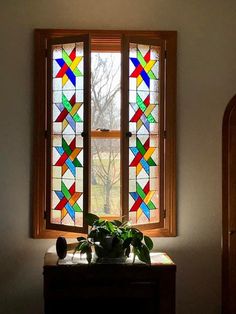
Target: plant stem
(134, 258)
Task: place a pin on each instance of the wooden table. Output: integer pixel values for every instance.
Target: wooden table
(108, 288)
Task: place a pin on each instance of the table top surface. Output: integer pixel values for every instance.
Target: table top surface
(51, 259)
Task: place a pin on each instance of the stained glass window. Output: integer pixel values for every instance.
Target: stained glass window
(67, 152)
(105, 114)
(144, 99)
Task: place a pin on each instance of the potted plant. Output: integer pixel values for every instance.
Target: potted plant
(113, 241)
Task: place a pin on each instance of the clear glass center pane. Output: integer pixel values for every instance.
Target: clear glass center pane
(105, 177)
(105, 90)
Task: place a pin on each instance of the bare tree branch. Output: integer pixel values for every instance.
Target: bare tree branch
(105, 91)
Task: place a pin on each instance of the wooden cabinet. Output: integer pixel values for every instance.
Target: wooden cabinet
(109, 288)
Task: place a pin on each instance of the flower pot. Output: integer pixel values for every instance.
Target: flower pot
(109, 260)
(109, 252)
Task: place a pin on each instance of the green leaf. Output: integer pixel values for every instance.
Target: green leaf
(81, 245)
(93, 234)
(148, 242)
(103, 230)
(125, 224)
(127, 243)
(110, 226)
(98, 234)
(117, 223)
(136, 242)
(91, 218)
(143, 254)
(99, 222)
(81, 238)
(137, 233)
(85, 248)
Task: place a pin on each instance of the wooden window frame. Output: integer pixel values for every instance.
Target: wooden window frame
(110, 42)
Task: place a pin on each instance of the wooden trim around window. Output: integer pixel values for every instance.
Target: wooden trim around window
(228, 202)
(100, 41)
(170, 228)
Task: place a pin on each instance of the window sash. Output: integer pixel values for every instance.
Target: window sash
(85, 134)
(106, 134)
(125, 125)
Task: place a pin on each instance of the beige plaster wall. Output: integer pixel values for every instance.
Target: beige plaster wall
(206, 82)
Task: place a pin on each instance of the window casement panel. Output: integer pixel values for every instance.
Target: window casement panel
(143, 66)
(68, 133)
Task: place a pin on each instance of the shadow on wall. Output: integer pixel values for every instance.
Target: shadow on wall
(21, 284)
(194, 270)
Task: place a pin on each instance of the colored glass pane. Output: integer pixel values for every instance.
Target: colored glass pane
(105, 177)
(67, 142)
(144, 125)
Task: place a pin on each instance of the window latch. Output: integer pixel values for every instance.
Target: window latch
(128, 134)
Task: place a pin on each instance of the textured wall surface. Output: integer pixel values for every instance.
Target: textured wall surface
(206, 82)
